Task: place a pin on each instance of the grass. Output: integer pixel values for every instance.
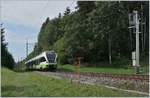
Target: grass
(34, 84)
(71, 68)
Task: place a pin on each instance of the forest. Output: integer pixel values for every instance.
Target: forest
(97, 31)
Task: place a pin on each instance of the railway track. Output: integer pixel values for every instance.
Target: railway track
(123, 81)
(108, 75)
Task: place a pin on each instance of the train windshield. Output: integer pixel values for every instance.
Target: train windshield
(51, 57)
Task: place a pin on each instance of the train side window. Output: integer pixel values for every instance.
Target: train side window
(32, 62)
(42, 59)
(35, 62)
(38, 61)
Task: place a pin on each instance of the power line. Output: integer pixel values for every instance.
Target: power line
(27, 46)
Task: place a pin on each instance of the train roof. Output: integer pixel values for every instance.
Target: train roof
(40, 55)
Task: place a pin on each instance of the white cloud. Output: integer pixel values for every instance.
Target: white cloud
(33, 12)
(13, 37)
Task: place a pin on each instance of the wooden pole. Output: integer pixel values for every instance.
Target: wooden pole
(78, 69)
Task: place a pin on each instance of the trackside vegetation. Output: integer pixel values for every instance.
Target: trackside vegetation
(97, 31)
(33, 84)
(72, 68)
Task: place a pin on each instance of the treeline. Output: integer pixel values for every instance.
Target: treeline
(96, 31)
(6, 58)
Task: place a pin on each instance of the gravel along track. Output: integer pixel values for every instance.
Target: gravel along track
(129, 82)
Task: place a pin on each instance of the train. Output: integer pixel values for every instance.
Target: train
(47, 60)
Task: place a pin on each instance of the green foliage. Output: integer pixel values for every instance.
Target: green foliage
(85, 7)
(20, 66)
(122, 62)
(6, 58)
(92, 32)
(104, 69)
(49, 34)
(60, 49)
(67, 12)
(32, 84)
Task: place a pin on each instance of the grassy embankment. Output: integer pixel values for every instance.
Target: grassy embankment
(105, 68)
(33, 84)
(71, 68)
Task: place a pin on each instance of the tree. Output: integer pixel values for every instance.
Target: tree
(85, 7)
(67, 12)
(6, 58)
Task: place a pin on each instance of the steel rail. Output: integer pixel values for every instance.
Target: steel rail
(114, 76)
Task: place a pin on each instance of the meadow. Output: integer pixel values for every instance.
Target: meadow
(111, 70)
(32, 84)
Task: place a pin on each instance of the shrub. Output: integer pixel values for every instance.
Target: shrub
(122, 62)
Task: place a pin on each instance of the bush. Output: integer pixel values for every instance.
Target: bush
(20, 67)
(7, 60)
(59, 48)
(121, 62)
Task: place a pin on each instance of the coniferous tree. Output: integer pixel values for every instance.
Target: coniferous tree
(6, 58)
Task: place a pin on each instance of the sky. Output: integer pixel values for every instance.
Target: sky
(23, 19)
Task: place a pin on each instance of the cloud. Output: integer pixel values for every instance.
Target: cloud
(32, 12)
(12, 38)
(19, 33)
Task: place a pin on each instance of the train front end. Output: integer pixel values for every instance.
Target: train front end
(52, 59)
